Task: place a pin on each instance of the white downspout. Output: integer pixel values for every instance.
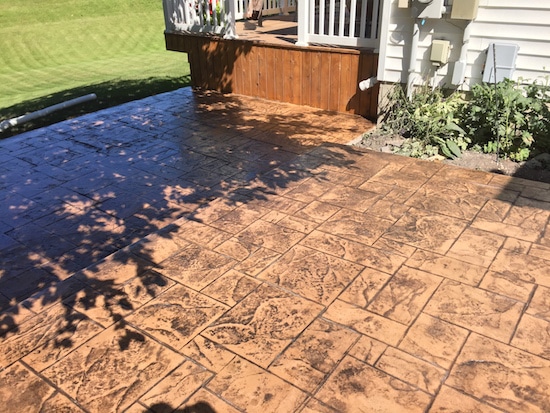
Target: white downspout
(459, 71)
(412, 57)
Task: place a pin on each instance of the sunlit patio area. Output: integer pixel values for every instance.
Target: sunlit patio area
(199, 252)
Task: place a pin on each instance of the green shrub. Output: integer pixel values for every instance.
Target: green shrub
(507, 118)
(429, 120)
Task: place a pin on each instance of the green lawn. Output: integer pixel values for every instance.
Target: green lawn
(54, 50)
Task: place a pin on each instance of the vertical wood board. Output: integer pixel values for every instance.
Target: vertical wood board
(325, 78)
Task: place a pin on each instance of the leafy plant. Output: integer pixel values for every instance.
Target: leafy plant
(428, 119)
(507, 118)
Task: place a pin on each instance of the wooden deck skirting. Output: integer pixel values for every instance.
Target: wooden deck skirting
(321, 77)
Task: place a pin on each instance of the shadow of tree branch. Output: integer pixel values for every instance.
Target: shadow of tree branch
(199, 407)
(92, 187)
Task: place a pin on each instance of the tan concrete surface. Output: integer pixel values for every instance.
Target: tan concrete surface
(207, 253)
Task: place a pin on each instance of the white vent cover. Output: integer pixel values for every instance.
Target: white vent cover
(504, 55)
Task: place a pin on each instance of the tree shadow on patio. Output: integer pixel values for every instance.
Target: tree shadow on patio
(77, 194)
(199, 407)
(527, 188)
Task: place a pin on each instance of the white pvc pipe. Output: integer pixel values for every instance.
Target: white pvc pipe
(412, 58)
(368, 83)
(6, 124)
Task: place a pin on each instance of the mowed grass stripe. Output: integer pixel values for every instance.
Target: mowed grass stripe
(68, 76)
(80, 43)
(14, 13)
(55, 49)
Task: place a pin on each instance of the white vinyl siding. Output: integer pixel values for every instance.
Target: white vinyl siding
(525, 23)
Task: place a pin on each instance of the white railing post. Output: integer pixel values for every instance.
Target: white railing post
(303, 21)
(374, 22)
(230, 13)
(168, 7)
(363, 27)
(240, 7)
(352, 17)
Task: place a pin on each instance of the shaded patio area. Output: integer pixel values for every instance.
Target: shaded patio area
(209, 253)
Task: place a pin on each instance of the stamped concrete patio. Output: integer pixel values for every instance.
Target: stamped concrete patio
(206, 253)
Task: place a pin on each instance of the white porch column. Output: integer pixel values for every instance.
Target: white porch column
(168, 8)
(230, 32)
(303, 22)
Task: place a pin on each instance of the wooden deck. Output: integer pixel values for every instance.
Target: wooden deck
(277, 30)
(264, 62)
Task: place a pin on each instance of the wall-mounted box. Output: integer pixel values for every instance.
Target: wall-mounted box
(403, 4)
(464, 9)
(440, 51)
(427, 9)
(501, 62)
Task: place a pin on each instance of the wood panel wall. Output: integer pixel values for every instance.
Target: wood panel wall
(321, 77)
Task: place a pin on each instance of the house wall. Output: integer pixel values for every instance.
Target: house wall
(523, 22)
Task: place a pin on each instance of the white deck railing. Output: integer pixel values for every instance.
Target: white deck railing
(205, 16)
(352, 23)
(271, 7)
